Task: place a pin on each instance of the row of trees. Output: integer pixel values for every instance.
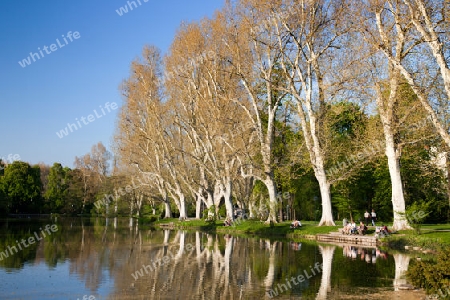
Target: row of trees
(267, 92)
(57, 189)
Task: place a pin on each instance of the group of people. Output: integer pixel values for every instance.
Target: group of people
(382, 231)
(351, 228)
(370, 217)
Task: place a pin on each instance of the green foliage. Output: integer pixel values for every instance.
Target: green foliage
(147, 210)
(416, 214)
(306, 197)
(57, 188)
(433, 276)
(74, 193)
(346, 119)
(425, 183)
(210, 214)
(4, 201)
(343, 205)
(382, 194)
(21, 183)
(222, 211)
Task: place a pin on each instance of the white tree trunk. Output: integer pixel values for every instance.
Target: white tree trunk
(210, 202)
(317, 160)
(218, 193)
(252, 208)
(198, 208)
(179, 199)
(131, 208)
(393, 152)
(165, 199)
(139, 201)
(227, 194)
(397, 197)
(327, 213)
(167, 209)
(182, 208)
(387, 110)
(270, 184)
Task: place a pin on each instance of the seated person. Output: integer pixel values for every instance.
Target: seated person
(347, 228)
(362, 228)
(353, 228)
(227, 222)
(296, 224)
(377, 231)
(384, 230)
(381, 231)
(344, 222)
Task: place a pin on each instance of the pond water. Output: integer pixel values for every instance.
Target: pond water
(102, 258)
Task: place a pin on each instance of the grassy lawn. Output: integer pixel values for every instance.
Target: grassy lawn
(254, 227)
(426, 227)
(311, 228)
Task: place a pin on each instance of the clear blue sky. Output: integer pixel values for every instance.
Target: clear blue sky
(74, 80)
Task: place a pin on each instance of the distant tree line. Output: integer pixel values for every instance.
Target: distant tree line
(41, 189)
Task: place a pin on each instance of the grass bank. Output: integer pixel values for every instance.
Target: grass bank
(252, 227)
(433, 237)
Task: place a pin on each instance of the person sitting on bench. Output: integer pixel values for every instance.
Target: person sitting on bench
(362, 229)
(384, 230)
(354, 229)
(347, 228)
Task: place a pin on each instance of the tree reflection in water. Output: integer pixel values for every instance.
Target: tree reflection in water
(103, 255)
(325, 283)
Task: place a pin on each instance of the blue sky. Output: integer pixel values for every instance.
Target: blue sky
(79, 78)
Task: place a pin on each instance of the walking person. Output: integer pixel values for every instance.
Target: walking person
(374, 217)
(367, 217)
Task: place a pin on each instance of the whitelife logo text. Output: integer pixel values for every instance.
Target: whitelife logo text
(49, 49)
(71, 127)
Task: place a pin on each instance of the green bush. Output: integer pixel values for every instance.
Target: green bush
(416, 214)
(210, 214)
(433, 276)
(222, 212)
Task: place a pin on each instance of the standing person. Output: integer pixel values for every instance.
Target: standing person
(367, 217)
(374, 217)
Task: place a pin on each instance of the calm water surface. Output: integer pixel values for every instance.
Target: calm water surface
(118, 259)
